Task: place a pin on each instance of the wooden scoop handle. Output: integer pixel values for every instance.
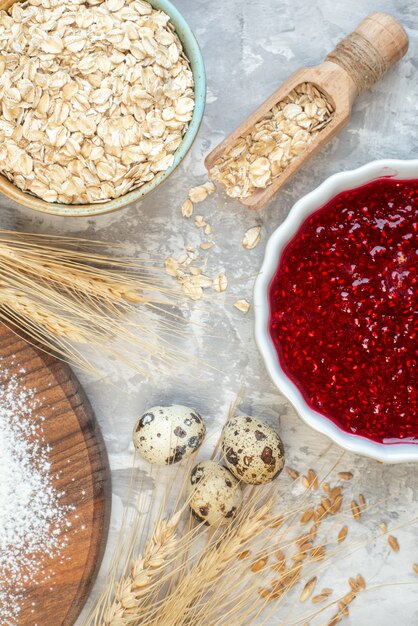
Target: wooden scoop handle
(368, 52)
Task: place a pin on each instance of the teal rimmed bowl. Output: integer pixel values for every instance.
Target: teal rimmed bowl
(193, 53)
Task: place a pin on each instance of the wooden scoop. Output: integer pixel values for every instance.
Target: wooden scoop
(356, 63)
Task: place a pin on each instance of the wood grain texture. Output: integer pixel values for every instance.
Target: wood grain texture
(80, 468)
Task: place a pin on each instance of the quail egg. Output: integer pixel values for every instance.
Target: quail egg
(253, 451)
(215, 495)
(168, 434)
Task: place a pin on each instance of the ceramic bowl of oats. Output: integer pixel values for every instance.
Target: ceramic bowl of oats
(99, 101)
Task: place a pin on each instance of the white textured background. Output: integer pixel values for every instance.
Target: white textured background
(250, 47)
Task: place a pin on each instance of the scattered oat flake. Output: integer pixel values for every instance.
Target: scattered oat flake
(171, 266)
(415, 568)
(192, 291)
(203, 281)
(199, 221)
(342, 534)
(210, 187)
(251, 238)
(187, 208)
(220, 283)
(206, 245)
(198, 194)
(242, 305)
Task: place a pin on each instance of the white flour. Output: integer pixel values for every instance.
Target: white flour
(31, 517)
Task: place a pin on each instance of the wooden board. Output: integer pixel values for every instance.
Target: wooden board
(78, 458)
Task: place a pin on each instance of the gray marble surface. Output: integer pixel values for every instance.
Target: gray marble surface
(249, 48)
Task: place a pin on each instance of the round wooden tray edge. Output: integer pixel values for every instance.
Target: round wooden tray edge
(102, 485)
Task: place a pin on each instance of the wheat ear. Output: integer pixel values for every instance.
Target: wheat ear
(132, 589)
(213, 562)
(17, 302)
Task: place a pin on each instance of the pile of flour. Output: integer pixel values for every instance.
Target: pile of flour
(31, 517)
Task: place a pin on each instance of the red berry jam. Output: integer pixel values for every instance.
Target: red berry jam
(344, 310)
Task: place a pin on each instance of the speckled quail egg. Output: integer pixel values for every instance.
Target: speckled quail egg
(253, 451)
(168, 434)
(215, 495)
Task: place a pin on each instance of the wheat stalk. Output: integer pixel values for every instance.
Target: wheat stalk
(72, 299)
(132, 589)
(244, 573)
(103, 284)
(20, 305)
(177, 607)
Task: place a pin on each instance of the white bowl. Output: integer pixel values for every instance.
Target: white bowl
(388, 453)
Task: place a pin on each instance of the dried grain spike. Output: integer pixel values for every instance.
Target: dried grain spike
(259, 564)
(355, 510)
(318, 553)
(343, 609)
(335, 492)
(321, 597)
(313, 479)
(244, 555)
(266, 594)
(360, 581)
(336, 505)
(307, 516)
(349, 597)
(280, 556)
(277, 522)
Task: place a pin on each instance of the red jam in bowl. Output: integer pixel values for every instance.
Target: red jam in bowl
(344, 310)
